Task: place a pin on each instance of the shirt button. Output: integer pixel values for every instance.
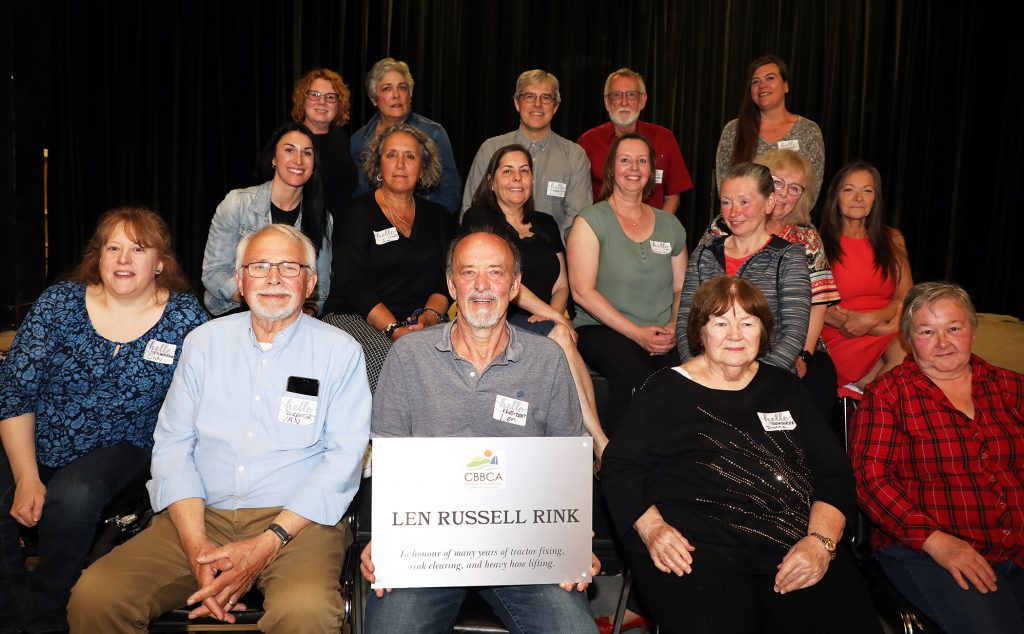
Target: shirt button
(1002, 505)
(991, 478)
(1006, 531)
(249, 434)
(264, 362)
(241, 468)
(257, 397)
(472, 373)
(984, 455)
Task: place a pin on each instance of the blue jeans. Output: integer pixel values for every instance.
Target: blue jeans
(523, 610)
(75, 497)
(933, 590)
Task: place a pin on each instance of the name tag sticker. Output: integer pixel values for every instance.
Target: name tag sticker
(159, 352)
(297, 409)
(510, 410)
(388, 235)
(791, 144)
(556, 189)
(777, 421)
(661, 248)
(658, 175)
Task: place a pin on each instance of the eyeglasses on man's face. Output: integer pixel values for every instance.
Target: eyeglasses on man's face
(285, 269)
(616, 95)
(316, 95)
(531, 97)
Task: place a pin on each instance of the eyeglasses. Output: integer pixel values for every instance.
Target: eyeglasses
(530, 97)
(315, 95)
(616, 95)
(793, 189)
(286, 269)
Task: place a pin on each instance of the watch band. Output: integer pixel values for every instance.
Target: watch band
(391, 328)
(281, 534)
(830, 545)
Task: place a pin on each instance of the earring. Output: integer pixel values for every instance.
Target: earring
(273, 164)
(380, 178)
(159, 270)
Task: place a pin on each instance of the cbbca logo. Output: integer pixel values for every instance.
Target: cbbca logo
(485, 471)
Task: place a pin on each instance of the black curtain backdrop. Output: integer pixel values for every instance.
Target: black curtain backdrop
(167, 104)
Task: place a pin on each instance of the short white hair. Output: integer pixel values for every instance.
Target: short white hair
(288, 231)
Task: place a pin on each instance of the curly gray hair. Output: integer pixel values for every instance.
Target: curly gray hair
(430, 170)
(381, 68)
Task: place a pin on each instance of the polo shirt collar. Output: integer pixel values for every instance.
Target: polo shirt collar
(513, 350)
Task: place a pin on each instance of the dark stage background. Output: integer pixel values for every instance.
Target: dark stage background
(167, 104)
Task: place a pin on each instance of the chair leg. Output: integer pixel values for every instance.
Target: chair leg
(620, 608)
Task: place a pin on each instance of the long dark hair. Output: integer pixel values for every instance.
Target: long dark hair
(748, 120)
(880, 237)
(485, 196)
(314, 215)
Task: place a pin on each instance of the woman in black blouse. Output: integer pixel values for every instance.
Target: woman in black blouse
(503, 203)
(389, 260)
(729, 490)
(321, 102)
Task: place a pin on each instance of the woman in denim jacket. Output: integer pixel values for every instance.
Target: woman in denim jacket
(293, 195)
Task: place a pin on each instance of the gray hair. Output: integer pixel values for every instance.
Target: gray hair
(308, 252)
(430, 169)
(625, 72)
(450, 258)
(381, 68)
(927, 294)
(537, 76)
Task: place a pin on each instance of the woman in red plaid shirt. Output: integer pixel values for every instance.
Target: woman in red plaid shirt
(938, 451)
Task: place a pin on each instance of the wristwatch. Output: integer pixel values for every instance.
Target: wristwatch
(830, 545)
(805, 355)
(282, 534)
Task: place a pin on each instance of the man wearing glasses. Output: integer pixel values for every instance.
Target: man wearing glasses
(258, 450)
(625, 96)
(560, 184)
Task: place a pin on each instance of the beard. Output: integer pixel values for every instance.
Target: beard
(263, 311)
(624, 118)
(486, 320)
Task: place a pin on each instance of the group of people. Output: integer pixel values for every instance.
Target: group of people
(727, 489)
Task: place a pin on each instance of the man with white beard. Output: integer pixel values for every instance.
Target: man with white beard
(258, 450)
(625, 96)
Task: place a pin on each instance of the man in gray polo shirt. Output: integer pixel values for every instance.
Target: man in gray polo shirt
(561, 169)
(459, 380)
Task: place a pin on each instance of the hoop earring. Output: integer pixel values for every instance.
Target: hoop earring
(380, 179)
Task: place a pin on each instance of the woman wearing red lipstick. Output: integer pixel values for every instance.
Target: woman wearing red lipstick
(764, 123)
(389, 268)
(79, 397)
(293, 194)
(870, 266)
(504, 204)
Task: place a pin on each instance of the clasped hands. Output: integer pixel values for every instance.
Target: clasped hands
(224, 574)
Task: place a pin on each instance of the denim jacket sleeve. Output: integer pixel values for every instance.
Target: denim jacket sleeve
(242, 212)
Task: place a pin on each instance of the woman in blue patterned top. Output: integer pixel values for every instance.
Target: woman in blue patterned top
(79, 397)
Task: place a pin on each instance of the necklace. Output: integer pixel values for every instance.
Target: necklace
(394, 218)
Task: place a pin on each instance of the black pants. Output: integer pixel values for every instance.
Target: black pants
(625, 364)
(75, 497)
(713, 600)
(820, 382)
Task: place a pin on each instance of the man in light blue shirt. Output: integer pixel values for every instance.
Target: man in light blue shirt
(257, 454)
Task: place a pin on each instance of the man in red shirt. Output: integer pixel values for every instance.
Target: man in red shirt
(625, 96)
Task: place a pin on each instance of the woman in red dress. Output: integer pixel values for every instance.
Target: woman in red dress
(870, 267)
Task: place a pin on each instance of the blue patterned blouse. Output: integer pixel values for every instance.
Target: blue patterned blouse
(88, 392)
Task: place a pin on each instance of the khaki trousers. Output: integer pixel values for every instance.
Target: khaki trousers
(149, 575)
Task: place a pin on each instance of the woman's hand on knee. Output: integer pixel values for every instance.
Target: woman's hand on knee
(961, 560)
(803, 566)
(29, 498)
(669, 550)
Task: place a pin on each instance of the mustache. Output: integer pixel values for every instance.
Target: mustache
(485, 295)
(280, 290)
